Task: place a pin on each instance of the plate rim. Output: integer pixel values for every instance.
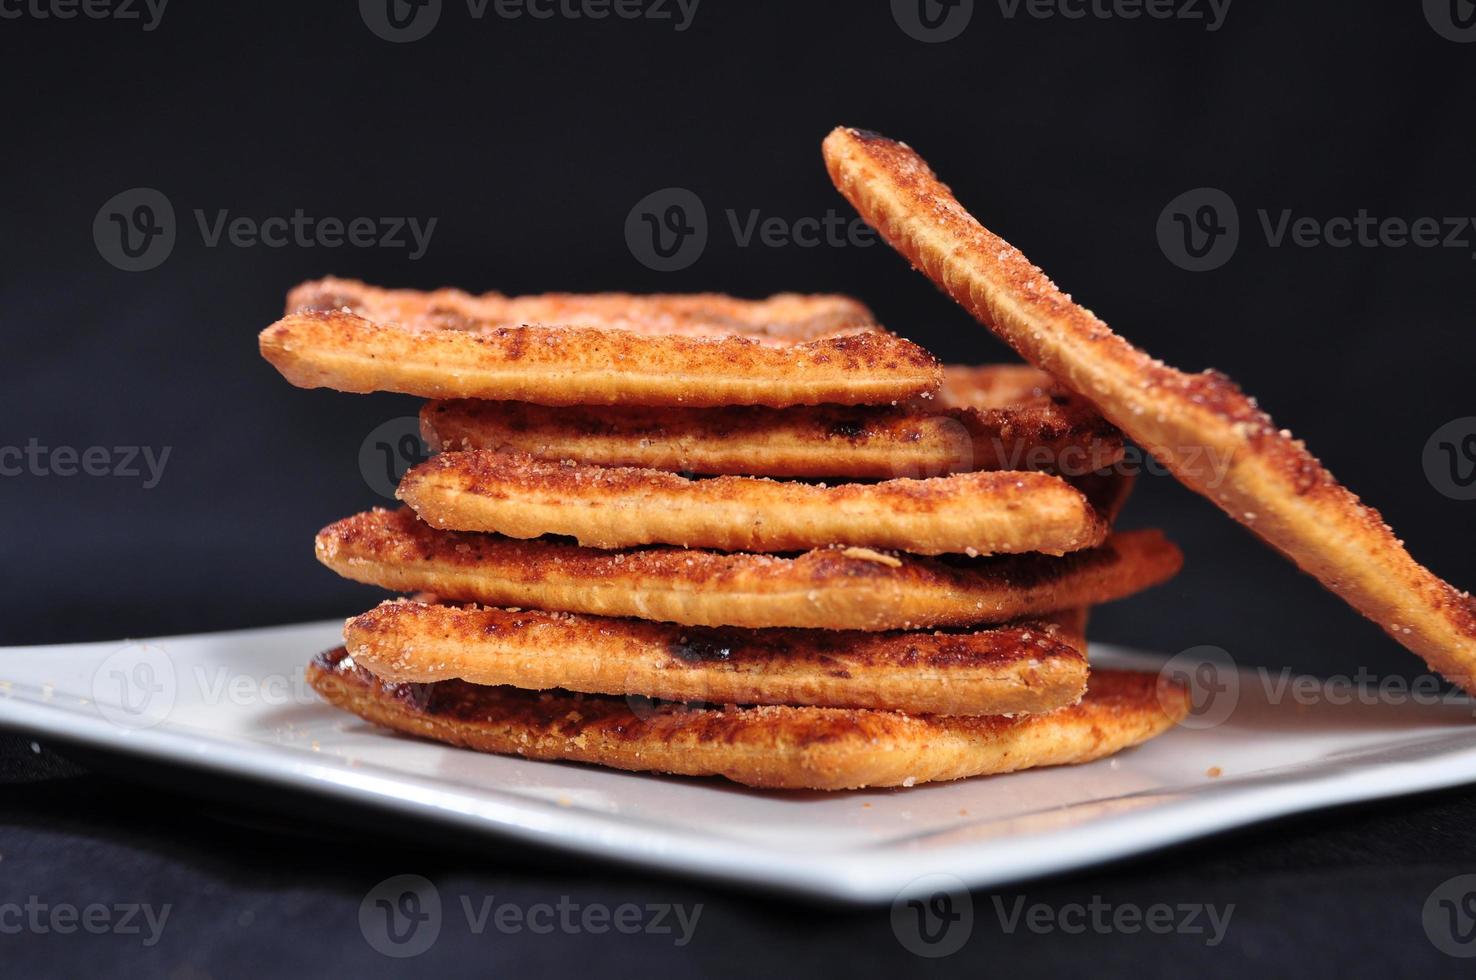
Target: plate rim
(828, 876)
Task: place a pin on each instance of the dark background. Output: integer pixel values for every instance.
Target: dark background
(530, 141)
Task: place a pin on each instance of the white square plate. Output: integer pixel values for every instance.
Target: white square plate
(235, 703)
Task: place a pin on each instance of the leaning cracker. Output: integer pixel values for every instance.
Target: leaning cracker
(1021, 666)
(522, 496)
(606, 349)
(780, 319)
(766, 747)
(827, 588)
(1273, 485)
(995, 417)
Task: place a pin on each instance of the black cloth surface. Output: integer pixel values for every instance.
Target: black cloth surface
(258, 889)
(530, 140)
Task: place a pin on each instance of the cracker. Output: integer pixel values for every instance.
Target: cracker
(523, 496)
(597, 349)
(1021, 666)
(823, 588)
(1192, 423)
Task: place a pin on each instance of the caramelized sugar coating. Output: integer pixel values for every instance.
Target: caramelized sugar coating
(1190, 422)
(1021, 666)
(775, 747)
(523, 496)
(826, 588)
(599, 349)
(996, 417)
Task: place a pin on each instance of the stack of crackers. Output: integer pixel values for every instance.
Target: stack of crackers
(772, 541)
(762, 539)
